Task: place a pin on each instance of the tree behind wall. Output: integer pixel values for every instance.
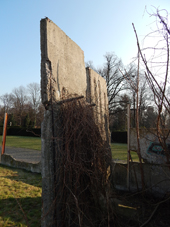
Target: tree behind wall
(158, 65)
(27, 121)
(34, 99)
(116, 87)
(7, 102)
(114, 80)
(11, 120)
(118, 121)
(19, 103)
(19, 99)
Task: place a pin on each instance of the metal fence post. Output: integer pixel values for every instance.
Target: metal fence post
(128, 143)
(4, 133)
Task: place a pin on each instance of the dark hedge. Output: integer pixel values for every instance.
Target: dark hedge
(1, 130)
(18, 131)
(119, 137)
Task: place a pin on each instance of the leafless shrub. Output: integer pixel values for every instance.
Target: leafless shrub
(83, 166)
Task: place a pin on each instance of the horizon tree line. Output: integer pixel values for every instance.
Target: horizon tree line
(23, 106)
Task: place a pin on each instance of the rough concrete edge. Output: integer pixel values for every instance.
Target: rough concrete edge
(153, 187)
(8, 160)
(47, 20)
(90, 70)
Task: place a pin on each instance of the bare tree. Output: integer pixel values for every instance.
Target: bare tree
(114, 80)
(118, 120)
(7, 101)
(158, 63)
(34, 97)
(19, 99)
(118, 85)
(135, 87)
(137, 81)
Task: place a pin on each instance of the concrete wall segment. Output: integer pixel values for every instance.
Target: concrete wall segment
(156, 178)
(62, 73)
(147, 137)
(8, 160)
(97, 93)
(66, 59)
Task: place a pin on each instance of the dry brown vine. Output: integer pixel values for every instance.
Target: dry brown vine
(84, 165)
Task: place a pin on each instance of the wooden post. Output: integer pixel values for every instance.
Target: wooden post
(128, 143)
(4, 133)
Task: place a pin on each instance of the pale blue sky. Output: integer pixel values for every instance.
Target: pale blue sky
(97, 26)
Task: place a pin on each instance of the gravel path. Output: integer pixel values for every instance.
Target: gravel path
(23, 154)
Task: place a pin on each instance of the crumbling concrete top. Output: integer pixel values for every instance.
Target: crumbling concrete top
(62, 60)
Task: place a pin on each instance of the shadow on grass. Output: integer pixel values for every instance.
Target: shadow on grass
(25, 211)
(24, 176)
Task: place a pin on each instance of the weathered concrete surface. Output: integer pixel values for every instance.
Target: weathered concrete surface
(156, 178)
(62, 64)
(8, 160)
(23, 154)
(147, 140)
(47, 172)
(23, 158)
(97, 94)
(63, 73)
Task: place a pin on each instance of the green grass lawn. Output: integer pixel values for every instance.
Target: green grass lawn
(20, 191)
(119, 150)
(20, 198)
(23, 142)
